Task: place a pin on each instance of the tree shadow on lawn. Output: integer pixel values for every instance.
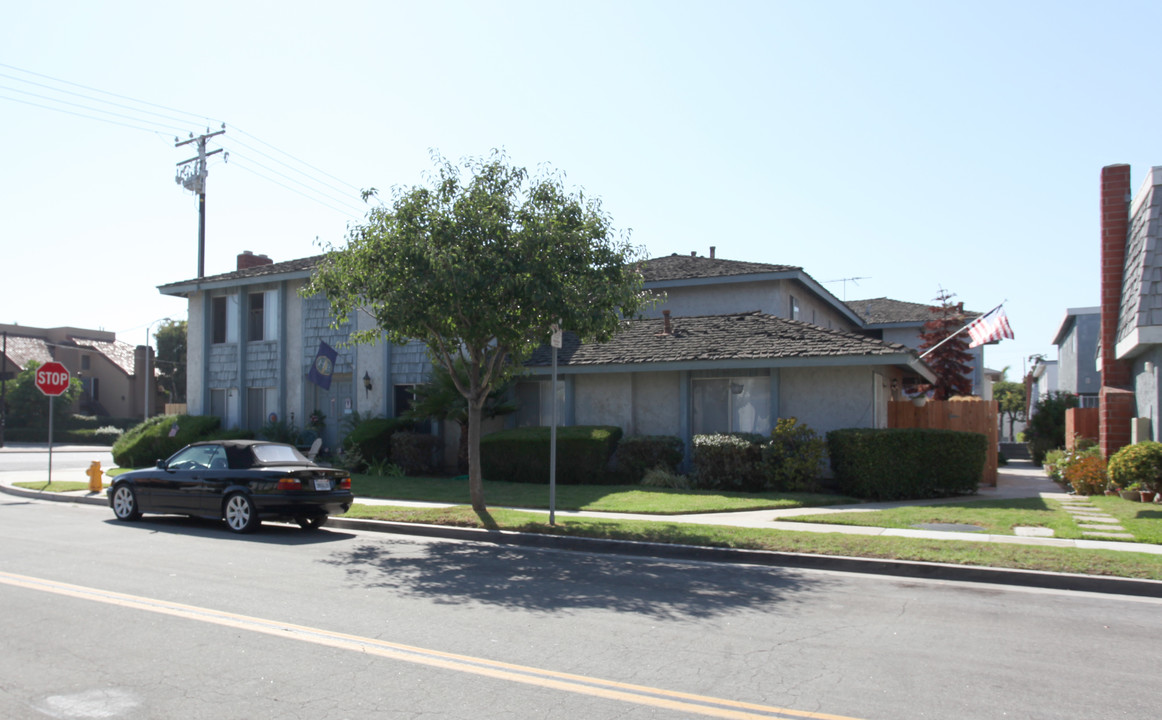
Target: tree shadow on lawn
(564, 581)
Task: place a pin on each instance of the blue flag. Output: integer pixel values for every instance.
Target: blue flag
(324, 366)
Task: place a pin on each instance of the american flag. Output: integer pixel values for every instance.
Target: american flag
(990, 327)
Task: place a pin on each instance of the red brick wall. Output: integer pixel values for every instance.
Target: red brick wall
(1117, 399)
(1081, 422)
(248, 260)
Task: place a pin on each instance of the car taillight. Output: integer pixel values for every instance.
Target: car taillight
(290, 483)
(345, 484)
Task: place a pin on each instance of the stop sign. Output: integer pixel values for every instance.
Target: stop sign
(52, 378)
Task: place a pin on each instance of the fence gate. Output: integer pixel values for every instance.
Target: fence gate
(976, 416)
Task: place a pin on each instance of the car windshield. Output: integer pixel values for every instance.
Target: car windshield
(276, 454)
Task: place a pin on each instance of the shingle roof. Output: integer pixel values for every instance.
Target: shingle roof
(119, 353)
(881, 311)
(22, 349)
(287, 266)
(685, 267)
(739, 336)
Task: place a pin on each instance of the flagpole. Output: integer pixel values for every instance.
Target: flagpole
(966, 326)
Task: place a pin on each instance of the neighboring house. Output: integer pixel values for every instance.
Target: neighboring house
(903, 322)
(1076, 342)
(106, 367)
(1040, 381)
(751, 355)
(1130, 346)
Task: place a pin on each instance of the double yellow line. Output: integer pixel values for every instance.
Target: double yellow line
(565, 682)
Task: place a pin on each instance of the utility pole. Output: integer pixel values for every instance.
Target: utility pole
(193, 178)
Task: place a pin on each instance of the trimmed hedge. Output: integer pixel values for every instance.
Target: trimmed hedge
(728, 461)
(522, 455)
(149, 442)
(638, 454)
(1138, 463)
(900, 464)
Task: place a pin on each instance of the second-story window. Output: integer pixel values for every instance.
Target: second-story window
(794, 308)
(255, 313)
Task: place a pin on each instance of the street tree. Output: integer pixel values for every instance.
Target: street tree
(1010, 397)
(28, 406)
(479, 263)
(171, 359)
(949, 358)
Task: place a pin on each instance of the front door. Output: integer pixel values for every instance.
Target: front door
(337, 403)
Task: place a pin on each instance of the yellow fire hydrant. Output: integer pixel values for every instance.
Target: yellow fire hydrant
(94, 472)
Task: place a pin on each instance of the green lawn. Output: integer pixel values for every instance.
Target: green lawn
(1025, 557)
(54, 486)
(603, 498)
(999, 517)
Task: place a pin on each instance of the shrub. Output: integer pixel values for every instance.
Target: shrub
(522, 455)
(792, 458)
(413, 452)
(637, 454)
(1087, 475)
(1139, 463)
(152, 440)
(897, 464)
(1051, 464)
(661, 477)
(728, 462)
(372, 436)
(1046, 428)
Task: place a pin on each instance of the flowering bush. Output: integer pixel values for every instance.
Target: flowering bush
(1140, 463)
(1087, 475)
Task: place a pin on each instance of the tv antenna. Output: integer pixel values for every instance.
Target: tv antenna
(852, 280)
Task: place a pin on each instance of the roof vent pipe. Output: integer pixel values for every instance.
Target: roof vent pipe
(711, 252)
(693, 253)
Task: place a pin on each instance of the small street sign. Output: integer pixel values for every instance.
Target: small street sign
(52, 379)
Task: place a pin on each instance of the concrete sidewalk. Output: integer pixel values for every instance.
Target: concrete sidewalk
(1019, 479)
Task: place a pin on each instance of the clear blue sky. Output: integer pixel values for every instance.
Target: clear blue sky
(914, 145)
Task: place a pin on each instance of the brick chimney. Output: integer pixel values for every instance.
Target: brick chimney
(1117, 398)
(248, 260)
(711, 252)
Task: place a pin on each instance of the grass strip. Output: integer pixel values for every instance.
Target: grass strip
(56, 486)
(1022, 557)
(597, 498)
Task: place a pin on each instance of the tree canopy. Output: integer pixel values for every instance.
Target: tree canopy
(171, 359)
(478, 263)
(949, 361)
(1010, 397)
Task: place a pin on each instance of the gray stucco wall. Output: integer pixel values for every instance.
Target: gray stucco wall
(1145, 370)
(604, 400)
(771, 297)
(656, 404)
(195, 361)
(830, 398)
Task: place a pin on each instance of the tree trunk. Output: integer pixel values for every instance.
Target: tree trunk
(475, 479)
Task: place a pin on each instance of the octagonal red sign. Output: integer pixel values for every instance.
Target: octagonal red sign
(52, 378)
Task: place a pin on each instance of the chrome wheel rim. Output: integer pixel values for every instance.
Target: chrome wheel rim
(123, 502)
(237, 512)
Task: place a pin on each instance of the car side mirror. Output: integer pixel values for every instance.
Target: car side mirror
(161, 464)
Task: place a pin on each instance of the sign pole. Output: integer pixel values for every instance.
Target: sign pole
(556, 343)
(50, 397)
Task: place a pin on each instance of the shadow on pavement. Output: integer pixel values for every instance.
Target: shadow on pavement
(554, 581)
(268, 533)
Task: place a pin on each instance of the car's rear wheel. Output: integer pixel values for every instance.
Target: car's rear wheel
(311, 523)
(240, 514)
(125, 503)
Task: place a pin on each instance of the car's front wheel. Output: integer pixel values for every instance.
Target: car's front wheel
(125, 503)
(240, 514)
(311, 523)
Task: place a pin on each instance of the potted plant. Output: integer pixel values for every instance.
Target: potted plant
(1133, 491)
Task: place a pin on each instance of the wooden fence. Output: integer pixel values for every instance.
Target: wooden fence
(976, 416)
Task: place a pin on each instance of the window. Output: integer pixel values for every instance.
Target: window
(96, 389)
(737, 404)
(224, 319)
(84, 362)
(534, 401)
(256, 323)
(405, 396)
(794, 308)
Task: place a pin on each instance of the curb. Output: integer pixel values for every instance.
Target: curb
(1109, 585)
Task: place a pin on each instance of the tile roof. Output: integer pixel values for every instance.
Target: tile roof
(880, 311)
(739, 336)
(119, 353)
(685, 267)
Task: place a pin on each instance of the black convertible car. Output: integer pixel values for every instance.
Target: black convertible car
(240, 481)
